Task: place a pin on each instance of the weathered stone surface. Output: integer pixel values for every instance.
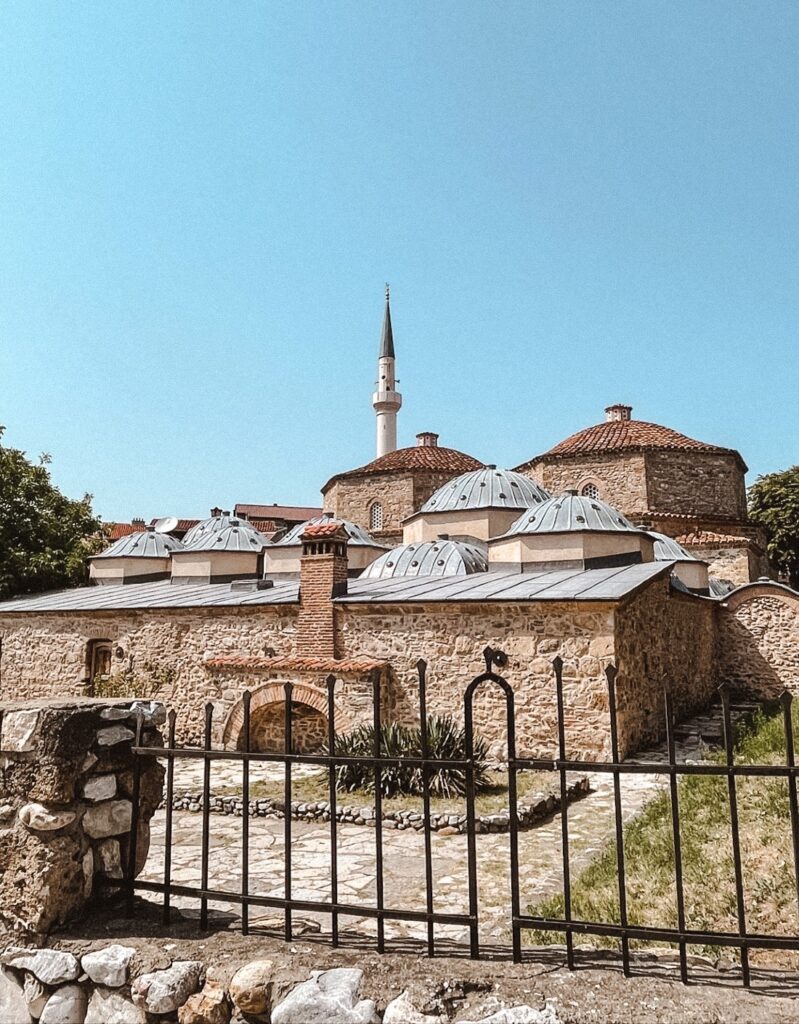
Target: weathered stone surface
(67, 1005)
(41, 881)
(165, 991)
(109, 966)
(100, 787)
(251, 987)
(52, 966)
(87, 863)
(19, 730)
(111, 818)
(210, 1006)
(45, 819)
(110, 858)
(520, 1015)
(402, 1011)
(6, 813)
(113, 734)
(112, 1006)
(13, 1008)
(36, 994)
(329, 997)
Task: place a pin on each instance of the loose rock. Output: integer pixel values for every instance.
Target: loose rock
(111, 818)
(67, 1005)
(36, 994)
(165, 991)
(51, 966)
(207, 1007)
(520, 1015)
(100, 787)
(113, 734)
(251, 987)
(108, 966)
(42, 819)
(111, 1006)
(402, 1011)
(13, 1007)
(329, 997)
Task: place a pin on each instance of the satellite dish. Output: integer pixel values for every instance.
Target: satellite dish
(166, 524)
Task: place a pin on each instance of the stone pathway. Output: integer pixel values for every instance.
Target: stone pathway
(591, 825)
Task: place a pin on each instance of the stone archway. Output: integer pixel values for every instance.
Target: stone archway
(267, 719)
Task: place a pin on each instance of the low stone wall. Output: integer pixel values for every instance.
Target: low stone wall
(758, 640)
(65, 804)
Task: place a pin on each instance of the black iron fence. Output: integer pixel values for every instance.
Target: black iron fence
(519, 922)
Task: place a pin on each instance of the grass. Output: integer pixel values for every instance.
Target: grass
(708, 873)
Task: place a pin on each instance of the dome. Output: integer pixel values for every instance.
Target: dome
(236, 535)
(668, 550)
(208, 526)
(568, 513)
(488, 487)
(408, 460)
(143, 544)
(429, 558)
(358, 537)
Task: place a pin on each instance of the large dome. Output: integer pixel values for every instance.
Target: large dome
(206, 527)
(429, 558)
(358, 536)
(143, 544)
(238, 535)
(568, 513)
(488, 487)
(409, 460)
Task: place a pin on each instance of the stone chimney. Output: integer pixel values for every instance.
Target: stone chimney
(427, 440)
(323, 576)
(138, 521)
(614, 413)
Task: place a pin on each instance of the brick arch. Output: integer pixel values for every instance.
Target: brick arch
(274, 693)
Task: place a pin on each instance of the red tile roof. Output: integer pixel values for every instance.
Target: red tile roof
(119, 530)
(708, 538)
(327, 529)
(290, 513)
(403, 460)
(626, 436)
(284, 663)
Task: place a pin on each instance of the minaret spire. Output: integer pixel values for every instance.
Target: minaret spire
(386, 401)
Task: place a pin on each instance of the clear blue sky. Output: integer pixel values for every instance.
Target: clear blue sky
(576, 203)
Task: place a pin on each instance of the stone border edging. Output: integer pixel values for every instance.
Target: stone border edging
(444, 823)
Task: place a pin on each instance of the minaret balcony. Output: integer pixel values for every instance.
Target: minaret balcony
(386, 401)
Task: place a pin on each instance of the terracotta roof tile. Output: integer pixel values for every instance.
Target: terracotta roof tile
(431, 457)
(119, 530)
(327, 529)
(290, 513)
(707, 537)
(285, 663)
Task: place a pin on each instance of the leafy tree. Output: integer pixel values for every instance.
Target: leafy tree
(774, 503)
(45, 537)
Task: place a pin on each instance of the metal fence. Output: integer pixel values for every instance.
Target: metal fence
(623, 930)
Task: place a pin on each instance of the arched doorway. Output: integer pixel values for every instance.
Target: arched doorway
(267, 720)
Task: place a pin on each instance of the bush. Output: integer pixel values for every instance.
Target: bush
(446, 741)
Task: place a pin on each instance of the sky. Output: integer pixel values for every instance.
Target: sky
(575, 203)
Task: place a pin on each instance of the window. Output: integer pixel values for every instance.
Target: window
(98, 662)
(376, 516)
(590, 491)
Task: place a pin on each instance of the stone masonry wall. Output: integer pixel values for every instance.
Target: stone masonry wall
(739, 565)
(701, 483)
(621, 478)
(758, 641)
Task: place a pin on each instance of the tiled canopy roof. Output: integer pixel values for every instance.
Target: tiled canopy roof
(708, 537)
(626, 436)
(432, 457)
(327, 529)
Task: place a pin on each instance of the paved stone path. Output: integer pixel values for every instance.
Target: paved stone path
(591, 825)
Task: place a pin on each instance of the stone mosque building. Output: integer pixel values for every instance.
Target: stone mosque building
(627, 542)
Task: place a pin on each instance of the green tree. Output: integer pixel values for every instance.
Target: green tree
(45, 537)
(774, 503)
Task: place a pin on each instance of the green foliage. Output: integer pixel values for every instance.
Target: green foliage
(45, 537)
(774, 503)
(145, 685)
(446, 741)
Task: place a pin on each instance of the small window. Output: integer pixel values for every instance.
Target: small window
(590, 491)
(376, 516)
(98, 662)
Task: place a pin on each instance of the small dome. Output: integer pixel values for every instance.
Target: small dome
(429, 558)
(486, 488)
(668, 550)
(571, 512)
(358, 537)
(143, 544)
(237, 535)
(208, 526)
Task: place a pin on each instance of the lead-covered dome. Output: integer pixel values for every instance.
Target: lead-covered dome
(358, 536)
(668, 550)
(143, 544)
(486, 488)
(202, 530)
(569, 513)
(238, 535)
(429, 558)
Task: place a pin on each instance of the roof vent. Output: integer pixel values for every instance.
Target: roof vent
(427, 440)
(572, 492)
(327, 515)
(443, 536)
(491, 465)
(614, 413)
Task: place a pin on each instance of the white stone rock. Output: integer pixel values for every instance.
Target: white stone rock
(52, 966)
(13, 1008)
(39, 818)
(67, 1005)
(109, 966)
(402, 1011)
(520, 1015)
(329, 997)
(111, 818)
(165, 991)
(19, 731)
(251, 987)
(87, 864)
(110, 1006)
(152, 711)
(89, 762)
(36, 994)
(6, 813)
(110, 858)
(115, 714)
(100, 787)
(113, 734)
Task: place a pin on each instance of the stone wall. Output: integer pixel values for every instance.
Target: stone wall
(739, 565)
(621, 479)
(758, 640)
(65, 804)
(701, 483)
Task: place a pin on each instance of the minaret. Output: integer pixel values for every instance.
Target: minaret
(386, 401)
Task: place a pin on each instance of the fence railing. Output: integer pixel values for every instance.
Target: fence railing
(561, 765)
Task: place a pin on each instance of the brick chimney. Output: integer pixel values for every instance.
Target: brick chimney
(323, 575)
(614, 413)
(427, 439)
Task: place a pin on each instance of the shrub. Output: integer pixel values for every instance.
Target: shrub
(446, 741)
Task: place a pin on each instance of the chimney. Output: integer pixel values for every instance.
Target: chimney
(138, 521)
(427, 440)
(323, 576)
(614, 413)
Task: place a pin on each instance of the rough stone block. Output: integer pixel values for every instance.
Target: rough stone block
(111, 818)
(19, 730)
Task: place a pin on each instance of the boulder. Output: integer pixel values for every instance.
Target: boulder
(165, 991)
(402, 1011)
(36, 994)
(113, 1006)
(111, 818)
(41, 879)
(51, 966)
(329, 997)
(251, 987)
(13, 1008)
(100, 787)
(39, 818)
(210, 1006)
(67, 1005)
(520, 1015)
(109, 966)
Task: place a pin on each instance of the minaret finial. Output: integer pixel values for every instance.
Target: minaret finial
(388, 292)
